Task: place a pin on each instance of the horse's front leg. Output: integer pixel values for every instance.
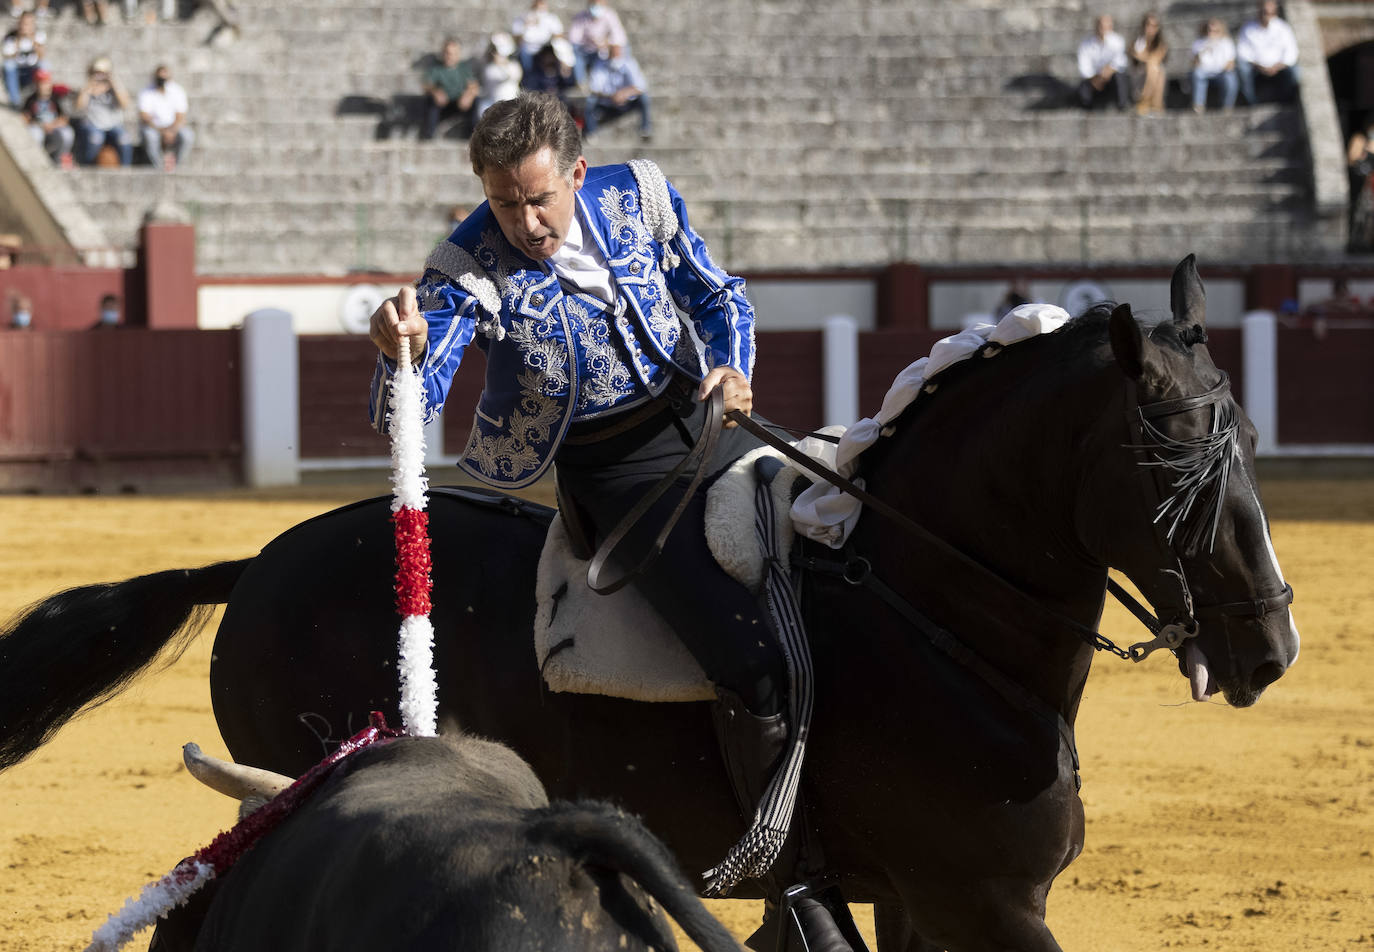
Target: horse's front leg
(990, 915)
(894, 931)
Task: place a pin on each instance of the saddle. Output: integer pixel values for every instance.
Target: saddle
(617, 644)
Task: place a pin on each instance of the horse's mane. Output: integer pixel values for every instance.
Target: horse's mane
(1077, 342)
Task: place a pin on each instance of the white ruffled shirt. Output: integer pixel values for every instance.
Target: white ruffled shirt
(579, 262)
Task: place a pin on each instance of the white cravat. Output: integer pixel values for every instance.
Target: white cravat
(580, 263)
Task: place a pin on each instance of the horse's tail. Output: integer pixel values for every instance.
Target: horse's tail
(81, 647)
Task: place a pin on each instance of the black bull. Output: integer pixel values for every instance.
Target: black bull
(948, 802)
(450, 843)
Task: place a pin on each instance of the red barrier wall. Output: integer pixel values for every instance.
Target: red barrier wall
(1326, 386)
(112, 408)
(106, 409)
(336, 370)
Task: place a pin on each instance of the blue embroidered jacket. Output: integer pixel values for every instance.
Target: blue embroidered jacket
(476, 286)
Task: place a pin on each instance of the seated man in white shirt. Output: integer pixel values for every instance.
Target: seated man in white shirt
(1267, 50)
(1101, 67)
(534, 30)
(162, 109)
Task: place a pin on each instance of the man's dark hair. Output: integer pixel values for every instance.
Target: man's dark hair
(515, 129)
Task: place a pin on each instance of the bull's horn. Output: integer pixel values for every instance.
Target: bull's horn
(235, 780)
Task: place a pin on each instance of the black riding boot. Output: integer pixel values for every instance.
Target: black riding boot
(752, 746)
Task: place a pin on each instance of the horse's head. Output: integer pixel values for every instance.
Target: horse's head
(1209, 565)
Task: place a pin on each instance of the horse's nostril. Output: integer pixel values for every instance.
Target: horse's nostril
(1265, 675)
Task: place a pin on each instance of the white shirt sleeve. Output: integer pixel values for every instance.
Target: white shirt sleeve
(1087, 61)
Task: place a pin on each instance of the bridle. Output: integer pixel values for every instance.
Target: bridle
(1184, 497)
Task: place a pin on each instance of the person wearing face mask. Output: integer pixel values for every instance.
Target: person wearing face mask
(21, 312)
(587, 291)
(593, 32)
(162, 109)
(110, 313)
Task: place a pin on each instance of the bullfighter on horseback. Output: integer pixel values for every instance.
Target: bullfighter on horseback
(567, 278)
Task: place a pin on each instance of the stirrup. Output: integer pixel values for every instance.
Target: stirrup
(804, 922)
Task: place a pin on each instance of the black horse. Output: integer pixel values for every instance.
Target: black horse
(941, 776)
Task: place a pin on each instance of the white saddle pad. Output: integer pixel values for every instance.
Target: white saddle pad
(617, 644)
(606, 644)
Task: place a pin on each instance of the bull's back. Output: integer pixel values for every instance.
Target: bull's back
(424, 845)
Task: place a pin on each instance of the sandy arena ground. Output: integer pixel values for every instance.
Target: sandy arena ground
(1208, 827)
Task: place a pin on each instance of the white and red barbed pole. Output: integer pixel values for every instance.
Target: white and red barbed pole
(415, 665)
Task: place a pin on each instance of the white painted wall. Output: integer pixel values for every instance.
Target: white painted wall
(314, 308)
(781, 305)
(795, 304)
(951, 301)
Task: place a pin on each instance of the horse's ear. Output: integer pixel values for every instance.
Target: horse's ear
(1188, 300)
(1128, 343)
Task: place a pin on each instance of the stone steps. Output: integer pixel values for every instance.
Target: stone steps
(900, 129)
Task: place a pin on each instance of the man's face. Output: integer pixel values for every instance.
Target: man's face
(161, 77)
(452, 52)
(533, 203)
(1104, 26)
(28, 25)
(1267, 12)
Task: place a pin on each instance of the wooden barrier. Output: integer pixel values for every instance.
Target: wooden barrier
(115, 408)
(108, 409)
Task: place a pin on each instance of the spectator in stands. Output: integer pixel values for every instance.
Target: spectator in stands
(21, 312)
(1101, 60)
(162, 109)
(617, 86)
(1341, 303)
(10, 244)
(450, 90)
(169, 11)
(95, 11)
(499, 75)
(592, 33)
(1017, 294)
(533, 30)
(1267, 50)
(1214, 58)
(101, 104)
(1360, 154)
(21, 53)
(111, 313)
(1147, 54)
(549, 74)
(1360, 164)
(48, 121)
